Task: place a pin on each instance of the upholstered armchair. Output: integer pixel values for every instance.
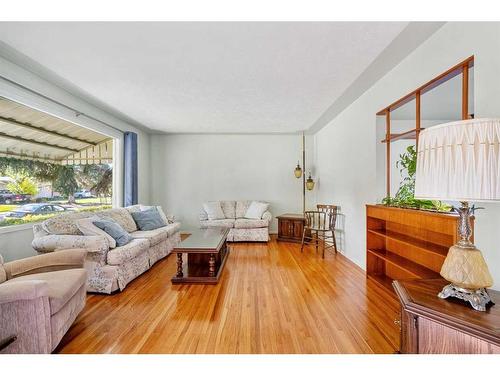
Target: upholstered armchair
(40, 297)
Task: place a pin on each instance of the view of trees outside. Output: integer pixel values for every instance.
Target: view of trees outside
(33, 190)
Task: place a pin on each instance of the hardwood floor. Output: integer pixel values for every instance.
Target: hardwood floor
(271, 299)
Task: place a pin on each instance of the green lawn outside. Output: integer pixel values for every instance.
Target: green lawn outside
(7, 207)
(85, 201)
(37, 218)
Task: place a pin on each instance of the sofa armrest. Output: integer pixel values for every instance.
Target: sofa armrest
(60, 260)
(54, 242)
(22, 290)
(25, 309)
(267, 216)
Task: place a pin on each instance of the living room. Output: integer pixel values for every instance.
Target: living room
(250, 188)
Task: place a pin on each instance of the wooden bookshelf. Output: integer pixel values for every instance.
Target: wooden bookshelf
(407, 244)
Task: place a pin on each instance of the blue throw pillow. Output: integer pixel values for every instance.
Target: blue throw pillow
(149, 219)
(112, 228)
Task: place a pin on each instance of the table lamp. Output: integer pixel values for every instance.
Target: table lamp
(460, 161)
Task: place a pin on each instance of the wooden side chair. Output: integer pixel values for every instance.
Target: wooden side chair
(320, 224)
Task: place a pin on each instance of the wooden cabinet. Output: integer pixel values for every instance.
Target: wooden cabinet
(290, 227)
(407, 244)
(430, 325)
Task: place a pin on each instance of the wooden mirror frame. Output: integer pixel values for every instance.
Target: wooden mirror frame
(461, 68)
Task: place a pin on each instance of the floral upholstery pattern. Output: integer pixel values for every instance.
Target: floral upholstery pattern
(154, 236)
(229, 209)
(65, 223)
(122, 254)
(52, 242)
(241, 208)
(163, 248)
(108, 270)
(121, 216)
(253, 234)
(241, 229)
(220, 223)
(250, 223)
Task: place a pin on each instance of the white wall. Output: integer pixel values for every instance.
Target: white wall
(346, 147)
(188, 170)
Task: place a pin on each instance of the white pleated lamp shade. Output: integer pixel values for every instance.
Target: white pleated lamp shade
(459, 161)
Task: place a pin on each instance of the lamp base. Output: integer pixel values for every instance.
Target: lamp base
(478, 298)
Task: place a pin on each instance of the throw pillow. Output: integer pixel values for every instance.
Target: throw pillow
(256, 210)
(112, 228)
(214, 210)
(87, 227)
(149, 219)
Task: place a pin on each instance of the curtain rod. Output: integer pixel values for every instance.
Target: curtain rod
(77, 112)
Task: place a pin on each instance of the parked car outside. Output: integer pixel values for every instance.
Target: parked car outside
(8, 197)
(36, 209)
(83, 194)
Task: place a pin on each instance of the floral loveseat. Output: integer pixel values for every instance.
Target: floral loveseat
(241, 229)
(108, 269)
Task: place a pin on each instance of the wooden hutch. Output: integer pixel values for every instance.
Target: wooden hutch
(407, 244)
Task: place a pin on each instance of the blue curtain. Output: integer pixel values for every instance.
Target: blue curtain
(130, 183)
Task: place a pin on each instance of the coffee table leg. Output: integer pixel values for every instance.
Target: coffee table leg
(179, 265)
(211, 265)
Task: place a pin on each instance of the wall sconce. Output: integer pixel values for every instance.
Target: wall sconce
(298, 171)
(309, 182)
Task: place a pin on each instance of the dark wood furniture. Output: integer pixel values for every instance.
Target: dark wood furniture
(320, 224)
(207, 252)
(407, 244)
(291, 227)
(430, 325)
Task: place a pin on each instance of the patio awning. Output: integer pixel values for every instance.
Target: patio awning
(30, 134)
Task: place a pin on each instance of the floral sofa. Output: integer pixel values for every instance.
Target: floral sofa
(108, 269)
(241, 229)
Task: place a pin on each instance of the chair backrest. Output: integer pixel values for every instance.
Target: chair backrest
(316, 220)
(331, 210)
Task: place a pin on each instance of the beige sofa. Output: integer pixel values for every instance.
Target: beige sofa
(108, 269)
(241, 229)
(40, 297)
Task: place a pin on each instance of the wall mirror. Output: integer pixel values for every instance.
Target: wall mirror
(447, 97)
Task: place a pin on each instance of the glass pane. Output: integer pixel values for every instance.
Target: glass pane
(403, 123)
(443, 103)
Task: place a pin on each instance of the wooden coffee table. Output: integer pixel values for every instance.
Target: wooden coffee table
(207, 252)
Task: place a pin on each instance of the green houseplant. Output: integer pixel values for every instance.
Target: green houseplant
(405, 196)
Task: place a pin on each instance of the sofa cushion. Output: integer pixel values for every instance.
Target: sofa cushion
(229, 209)
(120, 235)
(129, 251)
(121, 216)
(65, 223)
(149, 219)
(222, 223)
(154, 236)
(241, 208)
(61, 285)
(250, 223)
(173, 228)
(256, 210)
(88, 228)
(140, 207)
(214, 210)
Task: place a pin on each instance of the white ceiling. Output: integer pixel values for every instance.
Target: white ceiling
(207, 77)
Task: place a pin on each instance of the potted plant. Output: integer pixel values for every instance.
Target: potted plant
(405, 196)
